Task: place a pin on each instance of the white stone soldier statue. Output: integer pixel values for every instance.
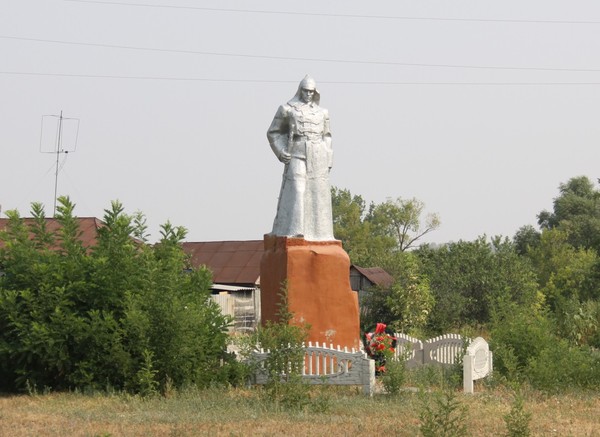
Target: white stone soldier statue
(300, 138)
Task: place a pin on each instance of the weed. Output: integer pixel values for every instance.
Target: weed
(394, 377)
(31, 388)
(429, 375)
(146, 376)
(445, 418)
(322, 401)
(244, 411)
(285, 388)
(517, 420)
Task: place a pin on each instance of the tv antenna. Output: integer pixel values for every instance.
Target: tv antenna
(61, 133)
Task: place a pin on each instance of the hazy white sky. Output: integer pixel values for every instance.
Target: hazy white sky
(478, 108)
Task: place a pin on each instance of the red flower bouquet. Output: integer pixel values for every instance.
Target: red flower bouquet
(379, 346)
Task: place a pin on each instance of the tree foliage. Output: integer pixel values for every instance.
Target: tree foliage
(563, 270)
(402, 221)
(526, 239)
(352, 226)
(410, 300)
(577, 212)
(407, 304)
(537, 296)
(528, 346)
(117, 314)
(382, 236)
(468, 279)
(371, 236)
(565, 258)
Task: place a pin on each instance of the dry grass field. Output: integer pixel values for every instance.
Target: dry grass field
(246, 412)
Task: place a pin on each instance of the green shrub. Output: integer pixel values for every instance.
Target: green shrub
(444, 417)
(526, 348)
(579, 322)
(233, 373)
(285, 388)
(518, 335)
(394, 377)
(290, 394)
(428, 375)
(468, 278)
(146, 377)
(121, 314)
(517, 420)
(321, 399)
(562, 367)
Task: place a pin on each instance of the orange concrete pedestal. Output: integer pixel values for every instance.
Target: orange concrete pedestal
(318, 283)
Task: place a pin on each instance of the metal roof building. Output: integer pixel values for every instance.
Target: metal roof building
(237, 263)
(232, 262)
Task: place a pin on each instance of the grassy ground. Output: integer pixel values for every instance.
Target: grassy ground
(247, 412)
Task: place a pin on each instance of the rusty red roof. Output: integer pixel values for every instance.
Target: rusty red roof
(238, 262)
(376, 275)
(232, 262)
(88, 227)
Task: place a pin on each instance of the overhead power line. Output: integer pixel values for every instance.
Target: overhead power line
(295, 58)
(324, 14)
(201, 79)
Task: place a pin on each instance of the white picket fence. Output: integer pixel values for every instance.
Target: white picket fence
(444, 350)
(441, 350)
(328, 365)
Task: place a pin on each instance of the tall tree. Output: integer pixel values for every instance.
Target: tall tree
(564, 271)
(565, 257)
(403, 221)
(372, 236)
(576, 211)
(351, 226)
(406, 306)
(525, 239)
(410, 299)
(381, 237)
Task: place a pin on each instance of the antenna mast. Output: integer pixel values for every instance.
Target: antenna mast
(58, 148)
(58, 152)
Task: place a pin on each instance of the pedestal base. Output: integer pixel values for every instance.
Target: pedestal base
(318, 288)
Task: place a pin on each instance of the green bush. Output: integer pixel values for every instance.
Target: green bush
(444, 417)
(517, 335)
(394, 376)
(122, 314)
(467, 279)
(579, 322)
(285, 389)
(517, 420)
(526, 348)
(563, 367)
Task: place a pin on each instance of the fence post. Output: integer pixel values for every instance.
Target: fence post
(468, 362)
(477, 363)
(368, 376)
